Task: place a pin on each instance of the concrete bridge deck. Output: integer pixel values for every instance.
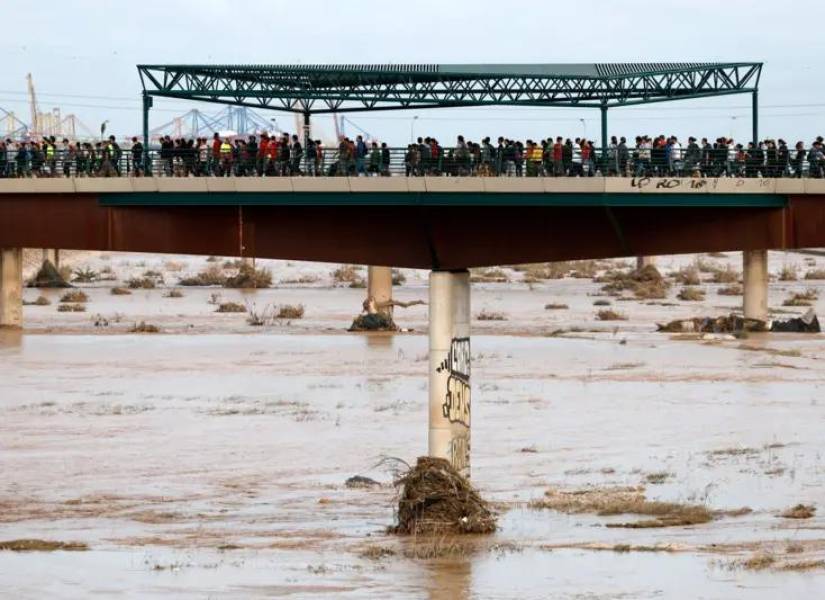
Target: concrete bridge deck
(420, 190)
(438, 222)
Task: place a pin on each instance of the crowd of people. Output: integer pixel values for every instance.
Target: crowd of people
(285, 155)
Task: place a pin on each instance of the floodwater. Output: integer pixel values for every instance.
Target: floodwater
(210, 463)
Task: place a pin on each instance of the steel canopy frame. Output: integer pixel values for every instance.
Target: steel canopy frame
(319, 89)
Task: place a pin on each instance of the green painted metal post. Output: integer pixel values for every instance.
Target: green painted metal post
(755, 115)
(306, 141)
(147, 104)
(604, 139)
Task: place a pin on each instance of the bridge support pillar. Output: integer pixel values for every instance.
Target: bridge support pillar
(52, 255)
(379, 289)
(11, 287)
(755, 284)
(449, 432)
(644, 261)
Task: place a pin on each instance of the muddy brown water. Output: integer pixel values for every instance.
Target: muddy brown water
(209, 460)
(213, 465)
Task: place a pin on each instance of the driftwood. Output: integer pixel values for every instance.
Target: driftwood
(371, 307)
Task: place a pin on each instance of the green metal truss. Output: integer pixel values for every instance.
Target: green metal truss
(316, 89)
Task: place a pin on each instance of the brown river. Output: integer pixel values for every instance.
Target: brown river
(209, 460)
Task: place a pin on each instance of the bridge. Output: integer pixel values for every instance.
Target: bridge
(445, 224)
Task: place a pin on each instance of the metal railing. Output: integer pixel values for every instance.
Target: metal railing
(631, 162)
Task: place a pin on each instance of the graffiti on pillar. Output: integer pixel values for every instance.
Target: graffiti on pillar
(456, 406)
(460, 453)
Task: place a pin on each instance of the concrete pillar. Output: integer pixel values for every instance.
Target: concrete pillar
(11, 287)
(449, 435)
(643, 261)
(755, 284)
(52, 255)
(379, 288)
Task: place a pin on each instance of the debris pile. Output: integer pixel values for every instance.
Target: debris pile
(373, 322)
(728, 324)
(644, 283)
(48, 277)
(435, 498)
(807, 323)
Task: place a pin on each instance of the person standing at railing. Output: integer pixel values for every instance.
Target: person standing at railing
(424, 157)
(251, 164)
(21, 160)
(360, 156)
(263, 154)
(4, 159)
(270, 159)
(645, 147)
(576, 169)
(297, 153)
(557, 156)
(282, 167)
(166, 148)
(385, 159)
(374, 160)
(677, 164)
(783, 158)
(312, 158)
(624, 157)
(225, 158)
(693, 156)
(436, 156)
(66, 155)
(137, 157)
(50, 155)
(203, 157)
(798, 160)
(215, 166)
(486, 158)
(463, 160)
(816, 161)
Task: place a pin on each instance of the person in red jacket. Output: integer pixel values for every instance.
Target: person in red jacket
(558, 157)
(216, 154)
(271, 158)
(263, 149)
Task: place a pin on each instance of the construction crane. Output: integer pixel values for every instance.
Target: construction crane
(50, 123)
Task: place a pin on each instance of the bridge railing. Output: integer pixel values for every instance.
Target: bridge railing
(400, 162)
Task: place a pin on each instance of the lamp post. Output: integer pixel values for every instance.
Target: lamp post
(412, 128)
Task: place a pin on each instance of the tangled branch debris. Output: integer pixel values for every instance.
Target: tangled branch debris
(436, 499)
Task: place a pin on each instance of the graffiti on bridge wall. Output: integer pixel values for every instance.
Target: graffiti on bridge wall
(693, 183)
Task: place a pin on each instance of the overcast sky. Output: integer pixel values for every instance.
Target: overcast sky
(83, 53)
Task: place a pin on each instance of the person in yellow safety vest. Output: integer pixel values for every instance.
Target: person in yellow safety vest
(226, 158)
(535, 155)
(50, 159)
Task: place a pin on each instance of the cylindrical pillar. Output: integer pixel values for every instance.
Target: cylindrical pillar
(449, 435)
(11, 287)
(379, 289)
(755, 284)
(644, 261)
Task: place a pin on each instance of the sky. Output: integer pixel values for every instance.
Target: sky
(82, 55)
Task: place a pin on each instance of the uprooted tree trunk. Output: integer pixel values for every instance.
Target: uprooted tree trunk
(375, 318)
(437, 499)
